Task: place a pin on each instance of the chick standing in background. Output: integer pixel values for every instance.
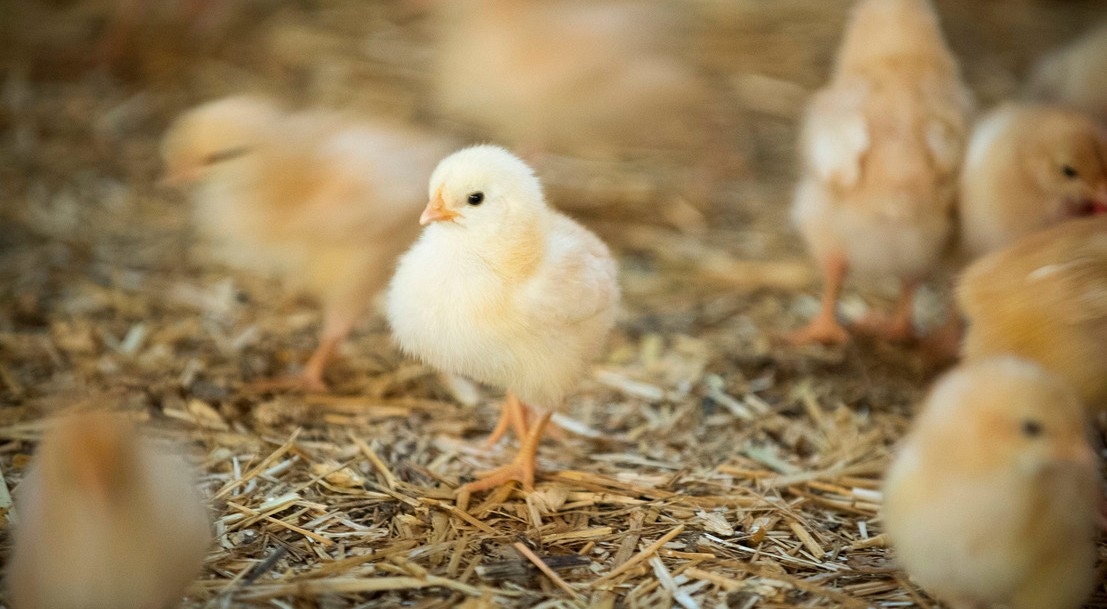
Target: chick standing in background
(993, 496)
(326, 204)
(881, 146)
(505, 290)
(1029, 167)
(570, 75)
(107, 520)
(1075, 75)
(1044, 298)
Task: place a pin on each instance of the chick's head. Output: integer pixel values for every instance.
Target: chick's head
(483, 189)
(1005, 413)
(92, 456)
(213, 135)
(1068, 160)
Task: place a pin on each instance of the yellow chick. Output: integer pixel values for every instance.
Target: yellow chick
(1075, 75)
(569, 75)
(107, 519)
(993, 496)
(1044, 298)
(1029, 167)
(880, 149)
(505, 290)
(326, 204)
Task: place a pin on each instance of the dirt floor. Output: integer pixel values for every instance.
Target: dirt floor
(704, 466)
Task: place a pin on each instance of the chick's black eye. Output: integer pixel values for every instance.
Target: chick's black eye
(476, 198)
(1031, 428)
(1069, 171)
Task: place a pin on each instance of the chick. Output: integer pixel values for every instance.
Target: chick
(324, 203)
(1029, 167)
(107, 519)
(570, 75)
(992, 498)
(503, 289)
(1075, 75)
(880, 149)
(1044, 298)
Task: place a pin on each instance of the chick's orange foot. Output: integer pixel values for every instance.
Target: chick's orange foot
(521, 469)
(821, 330)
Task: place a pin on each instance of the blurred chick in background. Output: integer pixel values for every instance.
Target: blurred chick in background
(1075, 75)
(572, 76)
(1044, 298)
(325, 203)
(503, 289)
(1029, 167)
(106, 519)
(880, 148)
(992, 498)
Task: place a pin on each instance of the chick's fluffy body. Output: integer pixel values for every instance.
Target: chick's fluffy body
(568, 74)
(323, 202)
(979, 512)
(1014, 179)
(1044, 298)
(882, 142)
(523, 300)
(108, 520)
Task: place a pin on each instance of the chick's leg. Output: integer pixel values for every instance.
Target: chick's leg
(824, 327)
(900, 326)
(512, 414)
(520, 469)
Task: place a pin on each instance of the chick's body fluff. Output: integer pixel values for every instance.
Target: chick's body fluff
(880, 147)
(107, 520)
(992, 498)
(324, 203)
(506, 291)
(1029, 167)
(1044, 298)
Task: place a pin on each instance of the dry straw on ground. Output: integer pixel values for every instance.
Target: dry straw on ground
(701, 466)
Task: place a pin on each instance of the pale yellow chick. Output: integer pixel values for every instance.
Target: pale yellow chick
(107, 520)
(570, 75)
(505, 290)
(880, 148)
(1029, 167)
(1075, 75)
(1044, 298)
(993, 496)
(325, 203)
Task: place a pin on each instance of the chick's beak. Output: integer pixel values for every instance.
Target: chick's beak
(1099, 202)
(436, 211)
(176, 178)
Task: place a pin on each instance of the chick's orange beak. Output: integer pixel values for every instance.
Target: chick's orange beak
(436, 211)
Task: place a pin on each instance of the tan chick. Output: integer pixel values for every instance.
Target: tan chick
(1029, 167)
(1075, 75)
(325, 203)
(1044, 298)
(993, 497)
(880, 147)
(505, 290)
(570, 75)
(107, 520)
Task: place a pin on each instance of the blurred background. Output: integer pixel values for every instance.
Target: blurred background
(687, 174)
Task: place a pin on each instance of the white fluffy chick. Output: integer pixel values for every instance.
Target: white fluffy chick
(880, 146)
(107, 520)
(325, 203)
(570, 76)
(992, 498)
(1029, 167)
(1075, 75)
(503, 289)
